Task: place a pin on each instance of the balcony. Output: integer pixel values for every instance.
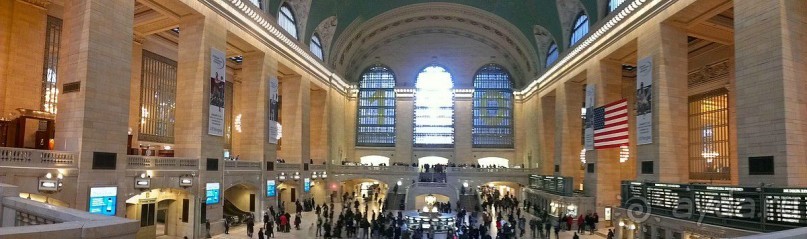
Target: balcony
(387, 170)
(288, 167)
(34, 158)
(136, 162)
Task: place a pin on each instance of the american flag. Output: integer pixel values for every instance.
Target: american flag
(610, 123)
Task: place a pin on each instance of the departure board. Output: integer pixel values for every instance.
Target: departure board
(741, 203)
(552, 184)
(665, 196)
(786, 206)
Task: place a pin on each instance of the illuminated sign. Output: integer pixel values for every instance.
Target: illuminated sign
(307, 185)
(271, 188)
(103, 200)
(142, 183)
(212, 193)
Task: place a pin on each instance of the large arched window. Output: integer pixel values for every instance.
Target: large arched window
(287, 21)
(316, 46)
(376, 110)
(551, 54)
(434, 108)
(614, 4)
(493, 108)
(580, 28)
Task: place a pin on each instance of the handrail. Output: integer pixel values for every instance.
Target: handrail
(158, 163)
(37, 158)
(242, 165)
(288, 167)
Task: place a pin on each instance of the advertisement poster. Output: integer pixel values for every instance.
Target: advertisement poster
(307, 185)
(215, 123)
(274, 101)
(103, 200)
(589, 130)
(212, 193)
(271, 188)
(644, 101)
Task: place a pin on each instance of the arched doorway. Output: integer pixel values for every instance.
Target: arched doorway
(374, 160)
(496, 162)
(369, 194)
(162, 212)
(420, 200)
(240, 203)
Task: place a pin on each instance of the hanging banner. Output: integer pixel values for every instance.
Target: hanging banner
(644, 101)
(215, 118)
(589, 130)
(274, 101)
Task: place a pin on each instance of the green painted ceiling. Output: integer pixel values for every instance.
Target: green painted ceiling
(523, 14)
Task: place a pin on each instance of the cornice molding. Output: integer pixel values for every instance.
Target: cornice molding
(37, 3)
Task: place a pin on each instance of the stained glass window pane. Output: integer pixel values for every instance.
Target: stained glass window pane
(376, 109)
(434, 108)
(492, 108)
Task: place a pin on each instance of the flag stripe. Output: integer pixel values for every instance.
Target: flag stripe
(610, 123)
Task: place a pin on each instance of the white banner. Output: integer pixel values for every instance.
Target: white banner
(274, 100)
(215, 124)
(644, 101)
(590, 99)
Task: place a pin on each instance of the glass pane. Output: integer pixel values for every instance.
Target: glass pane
(434, 108)
(376, 111)
(492, 108)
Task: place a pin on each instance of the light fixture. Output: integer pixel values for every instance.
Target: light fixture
(296, 176)
(143, 181)
(143, 175)
(48, 175)
(49, 184)
(281, 177)
(186, 181)
(399, 183)
(425, 209)
(314, 175)
(323, 175)
(632, 227)
(624, 153)
(430, 199)
(465, 184)
(621, 224)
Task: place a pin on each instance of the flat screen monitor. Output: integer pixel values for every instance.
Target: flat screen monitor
(212, 193)
(103, 200)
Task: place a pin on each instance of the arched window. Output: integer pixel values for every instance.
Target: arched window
(257, 3)
(580, 28)
(287, 21)
(316, 46)
(551, 54)
(614, 4)
(434, 108)
(493, 108)
(376, 110)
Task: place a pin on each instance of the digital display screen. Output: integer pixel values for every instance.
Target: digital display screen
(271, 188)
(212, 193)
(103, 200)
(307, 185)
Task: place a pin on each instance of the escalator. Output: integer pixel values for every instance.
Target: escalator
(236, 215)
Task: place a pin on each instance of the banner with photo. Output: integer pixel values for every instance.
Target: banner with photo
(589, 130)
(644, 101)
(218, 84)
(274, 112)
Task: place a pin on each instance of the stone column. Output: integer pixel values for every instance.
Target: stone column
(569, 130)
(22, 47)
(463, 139)
(770, 70)
(667, 45)
(295, 110)
(198, 35)
(546, 129)
(251, 143)
(318, 123)
(94, 119)
(134, 91)
(604, 183)
(404, 128)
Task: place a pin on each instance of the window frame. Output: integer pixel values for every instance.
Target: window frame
(290, 17)
(578, 27)
(492, 70)
(613, 5)
(319, 49)
(552, 50)
(359, 108)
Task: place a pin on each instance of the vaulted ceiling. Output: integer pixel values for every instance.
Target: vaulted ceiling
(518, 31)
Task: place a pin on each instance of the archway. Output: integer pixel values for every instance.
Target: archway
(368, 194)
(497, 162)
(162, 211)
(240, 202)
(431, 160)
(374, 160)
(420, 200)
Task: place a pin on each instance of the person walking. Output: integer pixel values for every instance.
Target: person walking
(610, 234)
(270, 232)
(207, 227)
(250, 227)
(319, 227)
(297, 221)
(575, 236)
(260, 233)
(581, 224)
(226, 225)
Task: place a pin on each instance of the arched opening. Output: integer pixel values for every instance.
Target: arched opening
(494, 162)
(240, 203)
(162, 212)
(434, 108)
(374, 160)
(366, 195)
(431, 160)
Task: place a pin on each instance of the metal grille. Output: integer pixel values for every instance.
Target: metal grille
(50, 90)
(158, 88)
(492, 108)
(376, 110)
(26, 219)
(709, 149)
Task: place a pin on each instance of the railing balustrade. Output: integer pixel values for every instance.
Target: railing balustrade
(242, 165)
(157, 163)
(37, 158)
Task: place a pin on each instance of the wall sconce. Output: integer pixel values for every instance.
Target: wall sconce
(323, 175)
(465, 184)
(314, 175)
(281, 177)
(143, 181)
(621, 224)
(399, 183)
(50, 184)
(186, 181)
(296, 176)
